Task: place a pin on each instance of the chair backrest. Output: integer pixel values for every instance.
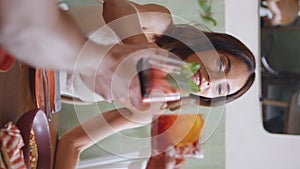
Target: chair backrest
(280, 53)
(292, 119)
(37, 120)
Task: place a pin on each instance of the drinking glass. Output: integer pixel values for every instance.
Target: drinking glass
(166, 79)
(177, 135)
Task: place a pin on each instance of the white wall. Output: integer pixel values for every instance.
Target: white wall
(248, 145)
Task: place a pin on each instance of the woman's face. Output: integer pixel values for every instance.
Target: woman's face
(220, 74)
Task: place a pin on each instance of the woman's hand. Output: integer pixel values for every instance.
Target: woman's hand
(164, 161)
(117, 69)
(116, 76)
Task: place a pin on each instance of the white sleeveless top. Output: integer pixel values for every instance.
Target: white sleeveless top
(91, 22)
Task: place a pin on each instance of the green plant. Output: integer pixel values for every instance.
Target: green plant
(184, 79)
(206, 14)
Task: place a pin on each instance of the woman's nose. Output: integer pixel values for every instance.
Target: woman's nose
(212, 79)
(205, 82)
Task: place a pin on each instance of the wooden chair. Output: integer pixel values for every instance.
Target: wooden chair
(280, 67)
(290, 85)
(292, 116)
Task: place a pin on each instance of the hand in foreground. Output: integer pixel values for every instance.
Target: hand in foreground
(115, 73)
(116, 77)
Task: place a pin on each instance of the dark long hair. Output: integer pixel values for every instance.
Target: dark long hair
(184, 40)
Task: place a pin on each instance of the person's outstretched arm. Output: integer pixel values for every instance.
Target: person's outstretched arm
(97, 128)
(72, 143)
(39, 34)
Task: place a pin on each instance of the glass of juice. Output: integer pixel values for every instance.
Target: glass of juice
(177, 135)
(166, 79)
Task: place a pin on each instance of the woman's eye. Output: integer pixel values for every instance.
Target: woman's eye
(219, 89)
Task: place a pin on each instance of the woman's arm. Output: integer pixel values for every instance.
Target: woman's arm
(88, 133)
(39, 34)
(97, 128)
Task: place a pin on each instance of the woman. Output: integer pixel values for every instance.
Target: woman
(224, 75)
(190, 45)
(182, 40)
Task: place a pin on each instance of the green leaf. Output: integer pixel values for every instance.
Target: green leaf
(194, 87)
(206, 18)
(194, 67)
(204, 6)
(184, 80)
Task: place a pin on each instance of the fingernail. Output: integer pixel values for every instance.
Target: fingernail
(161, 52)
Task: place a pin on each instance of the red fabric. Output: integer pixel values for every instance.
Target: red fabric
(6, 61)
(12, 141)
(40, 94)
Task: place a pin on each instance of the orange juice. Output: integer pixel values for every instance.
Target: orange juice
(180, 132)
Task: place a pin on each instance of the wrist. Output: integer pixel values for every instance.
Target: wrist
(117, 119)
(90, 57)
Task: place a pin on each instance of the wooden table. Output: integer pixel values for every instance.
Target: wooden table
(16, 99)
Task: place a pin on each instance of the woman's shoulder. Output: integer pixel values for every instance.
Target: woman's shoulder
(154, 17)
(151, 8)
